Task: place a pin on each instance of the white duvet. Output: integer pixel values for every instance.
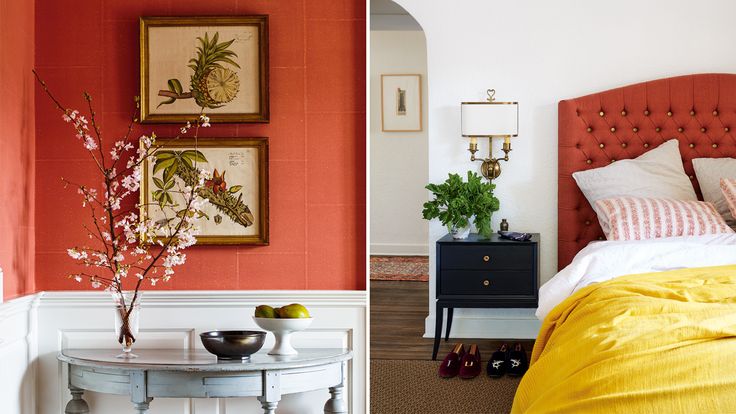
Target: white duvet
(605, 260)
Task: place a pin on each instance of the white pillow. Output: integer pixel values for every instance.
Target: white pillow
(709, 172)
(655, 174)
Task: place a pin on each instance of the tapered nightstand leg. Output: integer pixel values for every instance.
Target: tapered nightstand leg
(449, 323)
(336, 404)
(76, 405)
(142, 407)
(438, 314)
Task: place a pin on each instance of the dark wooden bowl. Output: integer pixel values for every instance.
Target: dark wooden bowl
(233, 345)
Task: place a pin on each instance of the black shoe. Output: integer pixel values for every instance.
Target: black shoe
(517, 362)
(498, 363)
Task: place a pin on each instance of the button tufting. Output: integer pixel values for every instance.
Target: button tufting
(646, 145)
(691, 177)
(715, 113)
(714, 145)
(657, 129)
(635, 129)
(613, 129)
(590, 129)
(601, 113)
(726, 129)
(669, 113)
(601, 145)
(613, 160)
(588, 161)
(587, 222)
(702, 129)
(679, 129)
(692, 113)
(646, 112)
(623, 113)
(691, 145)
(600, 237)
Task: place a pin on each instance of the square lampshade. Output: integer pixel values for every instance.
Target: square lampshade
(485, 119)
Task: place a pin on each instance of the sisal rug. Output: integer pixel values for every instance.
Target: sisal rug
(413, 387)
(407, 268)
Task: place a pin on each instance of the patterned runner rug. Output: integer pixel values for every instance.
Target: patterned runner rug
(409, 268)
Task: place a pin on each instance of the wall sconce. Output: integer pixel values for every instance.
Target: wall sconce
(488, 120)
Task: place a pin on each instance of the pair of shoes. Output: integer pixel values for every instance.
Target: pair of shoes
(508, 361)
(462, 364)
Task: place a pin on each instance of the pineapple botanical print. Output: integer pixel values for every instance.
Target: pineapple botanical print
(213, 82)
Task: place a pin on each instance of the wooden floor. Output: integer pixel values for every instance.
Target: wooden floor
(398, 310)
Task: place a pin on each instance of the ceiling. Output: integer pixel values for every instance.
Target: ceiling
(387, 15)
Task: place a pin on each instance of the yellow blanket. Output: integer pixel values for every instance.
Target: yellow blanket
(652, 343)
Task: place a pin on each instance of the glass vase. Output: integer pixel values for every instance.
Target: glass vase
(127, 318)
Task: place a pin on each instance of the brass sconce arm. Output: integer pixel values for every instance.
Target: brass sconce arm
(491, 167)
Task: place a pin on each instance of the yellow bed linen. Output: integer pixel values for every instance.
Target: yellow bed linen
(651, 343)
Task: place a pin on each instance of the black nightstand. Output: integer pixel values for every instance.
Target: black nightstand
(484, 273)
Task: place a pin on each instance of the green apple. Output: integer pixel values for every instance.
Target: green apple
(265, 311)
(293, 311)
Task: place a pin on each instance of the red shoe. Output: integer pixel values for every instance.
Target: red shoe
(470, 364)
(451, 364)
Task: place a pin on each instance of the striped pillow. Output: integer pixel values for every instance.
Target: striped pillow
(636, 218)
(728, 187)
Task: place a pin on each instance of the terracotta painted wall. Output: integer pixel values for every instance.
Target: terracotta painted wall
(16, 147)
(317, 137)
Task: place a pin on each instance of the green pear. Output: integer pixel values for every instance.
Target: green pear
(293, 311)
(265, 311)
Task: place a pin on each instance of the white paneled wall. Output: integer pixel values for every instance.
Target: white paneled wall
(168, 320)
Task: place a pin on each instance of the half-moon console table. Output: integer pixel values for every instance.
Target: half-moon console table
(175, 373)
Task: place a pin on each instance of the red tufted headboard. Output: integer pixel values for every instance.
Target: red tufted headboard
(597, 129)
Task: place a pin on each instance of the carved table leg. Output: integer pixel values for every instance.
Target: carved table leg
(142, 407)
(271, 391)
(76, 405)
(336, 404)
(269, 407)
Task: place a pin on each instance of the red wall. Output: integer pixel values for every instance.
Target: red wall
(16, 147)
(317, 137)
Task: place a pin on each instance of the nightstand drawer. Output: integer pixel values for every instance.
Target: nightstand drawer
(483, 282)
(488, 257)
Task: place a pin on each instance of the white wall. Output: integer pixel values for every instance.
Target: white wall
(399, 160)
(33, 329)
(538, 52)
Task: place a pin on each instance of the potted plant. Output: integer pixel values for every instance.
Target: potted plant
(456, 202)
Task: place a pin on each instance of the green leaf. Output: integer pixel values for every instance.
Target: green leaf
(163, 155)
(169, 200)
(234, 189)
(194, 155)
(163, 164)
(158, 182)
(166, 102)
(169, 172)
(175, 86)
(230, 61)
(169, 185)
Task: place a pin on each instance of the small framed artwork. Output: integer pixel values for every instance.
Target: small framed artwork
(236, 195)
(401, 103)
(215, 65)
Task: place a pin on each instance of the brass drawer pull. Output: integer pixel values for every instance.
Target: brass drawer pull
(486, 258)
(486, 282)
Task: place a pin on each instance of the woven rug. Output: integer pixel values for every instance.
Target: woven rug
(409, 268)
(413, 387)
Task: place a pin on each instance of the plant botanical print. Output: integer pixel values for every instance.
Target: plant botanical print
(234, 193)
(216, 63)
(213, 82)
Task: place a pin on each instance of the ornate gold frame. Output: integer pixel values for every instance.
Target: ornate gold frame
(261, 143)
(261, 21)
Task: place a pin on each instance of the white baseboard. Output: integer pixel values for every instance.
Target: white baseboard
(399, 249)
(491, 324)
(173, 319)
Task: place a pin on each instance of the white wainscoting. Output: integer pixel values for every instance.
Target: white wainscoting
(50, 321)
(17, 355)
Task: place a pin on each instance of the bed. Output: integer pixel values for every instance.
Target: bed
(638, 326)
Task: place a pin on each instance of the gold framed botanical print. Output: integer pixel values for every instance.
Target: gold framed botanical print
(401, 103)
(215, 65)
(236, 193)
